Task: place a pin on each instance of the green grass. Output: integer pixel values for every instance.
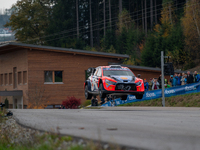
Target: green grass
(188, 100)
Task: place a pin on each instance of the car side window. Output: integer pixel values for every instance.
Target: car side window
(99, 72)
(96, 71)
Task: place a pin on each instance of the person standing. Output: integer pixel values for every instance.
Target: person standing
(183, 79)
(174, 82)
(150, 84)
(155, 84)
(196, 77)
(179, 79)
(171, 80)
(146, 85)
(189, 78)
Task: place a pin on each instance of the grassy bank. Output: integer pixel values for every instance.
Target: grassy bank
(15, 137)
(188, 100)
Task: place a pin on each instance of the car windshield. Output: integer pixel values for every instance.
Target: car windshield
(117, 73)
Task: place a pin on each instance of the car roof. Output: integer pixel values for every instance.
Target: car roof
(114, 67)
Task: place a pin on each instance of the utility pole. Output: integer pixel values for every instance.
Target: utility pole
(162, 79)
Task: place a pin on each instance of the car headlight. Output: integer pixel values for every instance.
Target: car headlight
(138, 83)
(109, 82)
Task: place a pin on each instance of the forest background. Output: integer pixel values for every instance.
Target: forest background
(139, 28)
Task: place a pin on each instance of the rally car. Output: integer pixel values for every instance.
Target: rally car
(113, 80)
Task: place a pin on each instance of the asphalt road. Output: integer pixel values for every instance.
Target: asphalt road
(142, 127)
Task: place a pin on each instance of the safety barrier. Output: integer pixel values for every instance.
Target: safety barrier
(149, 95)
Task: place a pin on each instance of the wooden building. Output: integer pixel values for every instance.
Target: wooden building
(44, 74)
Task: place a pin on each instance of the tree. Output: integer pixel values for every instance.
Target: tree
(30, 19)
(77, 18)
(91, 30)
(191, 25)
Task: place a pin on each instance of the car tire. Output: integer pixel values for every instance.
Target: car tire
(87, 95)
(101, 94)
(139, 96)
(124, 97)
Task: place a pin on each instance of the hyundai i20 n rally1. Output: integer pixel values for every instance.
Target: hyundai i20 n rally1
(113, 80)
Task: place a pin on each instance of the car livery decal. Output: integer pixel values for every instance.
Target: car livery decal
(122, 78)
(116, 69)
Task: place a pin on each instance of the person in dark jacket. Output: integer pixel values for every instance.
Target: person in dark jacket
(196, 77)
(94, 101)
(146, 85)
(179, 79)
(190, 78)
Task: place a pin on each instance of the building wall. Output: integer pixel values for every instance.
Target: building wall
(8, 61)
(146, 74)
(73, 67)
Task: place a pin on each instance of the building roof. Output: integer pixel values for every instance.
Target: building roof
(13, 45)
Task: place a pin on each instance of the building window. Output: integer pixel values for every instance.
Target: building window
(48, 76)
(1, 79)
(10, 78)
(53, 76)
(24, 77)
(6, 78)
(19, 78)
(58, 76)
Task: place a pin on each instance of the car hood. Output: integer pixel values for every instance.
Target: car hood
(123, 78)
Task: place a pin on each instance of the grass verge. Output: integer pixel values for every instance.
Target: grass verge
(15, 137)
(187, 100)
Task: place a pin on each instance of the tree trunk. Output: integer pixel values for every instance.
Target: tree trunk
(151, 5)
(142, 15)
(77, 19)
(155, 12)
(170, 12)
(104, 16)
(145, 5)
(120, 6)
(137, 15)
(110, 14)
(195, 20)
(91, 31)
(98, 35)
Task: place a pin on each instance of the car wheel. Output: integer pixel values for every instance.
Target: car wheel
(139, 96)
(101, 94)
(124, 97)
(87, 95)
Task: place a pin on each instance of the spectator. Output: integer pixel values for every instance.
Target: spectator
(94, 101)
(174, 82)
(196, 77)
(146, 85)
(166, 81)
(150, 83)
(138, 75)
(167, 86)
(155, 84)
(189, 78)
(183, 79)
(159, 81)
(179, 79)
(171, 80)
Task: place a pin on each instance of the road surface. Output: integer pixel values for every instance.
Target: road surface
(143, 127)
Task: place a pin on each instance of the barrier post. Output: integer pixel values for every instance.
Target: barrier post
(162, 79)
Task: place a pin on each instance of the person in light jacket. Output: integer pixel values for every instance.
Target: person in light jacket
(155, 85)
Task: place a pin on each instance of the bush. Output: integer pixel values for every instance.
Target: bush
(71, 103)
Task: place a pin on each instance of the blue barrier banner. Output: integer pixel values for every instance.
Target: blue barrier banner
(149, 95)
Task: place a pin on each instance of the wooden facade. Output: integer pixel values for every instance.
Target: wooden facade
(22, 67)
